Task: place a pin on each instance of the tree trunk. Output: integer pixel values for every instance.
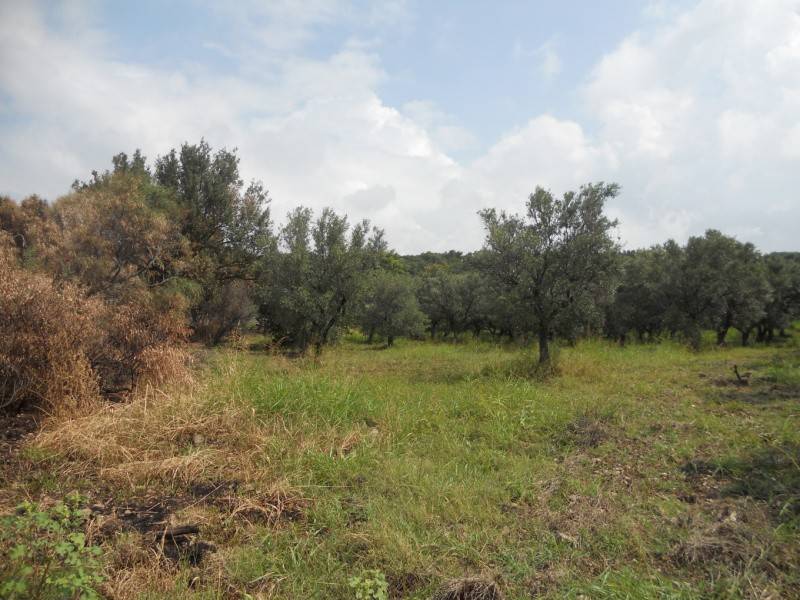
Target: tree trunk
(544, 347)
(370, 335)
(745, 337)
(770, 334)
(695, 338)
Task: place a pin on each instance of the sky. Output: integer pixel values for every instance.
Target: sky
(418, 114)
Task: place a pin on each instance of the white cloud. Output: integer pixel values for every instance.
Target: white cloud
(697, 120)
(546, 151)
(445, 131)
(701, 112)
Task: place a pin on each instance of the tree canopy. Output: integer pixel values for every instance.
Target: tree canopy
(558, 260)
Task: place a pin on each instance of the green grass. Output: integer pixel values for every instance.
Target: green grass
(565, 487)
(637, 472)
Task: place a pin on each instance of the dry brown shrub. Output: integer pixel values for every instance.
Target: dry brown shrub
(28, 224)
(49, 332)
(164, 579)
(61, 349)
(110, 239)
(142, 343)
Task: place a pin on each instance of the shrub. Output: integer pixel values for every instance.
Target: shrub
(61, 349)
(44, 554)
(49, 333)
(140, 341)
(224, 309)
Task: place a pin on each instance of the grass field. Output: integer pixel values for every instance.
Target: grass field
(637, 472)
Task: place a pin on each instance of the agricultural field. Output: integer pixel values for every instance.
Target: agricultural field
(644, 471)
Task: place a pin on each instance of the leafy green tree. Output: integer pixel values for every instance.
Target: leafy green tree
(503, 316)
(691, 290)
(389, 307)
(317, 276)
(748, 293)
(783, 274)
(557, 259)
(227, 226)
(454, 260)
(227, 308)
(640, 303)
(716, 282)
(450, 300)
(224, 223)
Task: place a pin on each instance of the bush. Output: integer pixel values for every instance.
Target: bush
(49, 334)
(140, 341)
(61, 349)
(44, 554)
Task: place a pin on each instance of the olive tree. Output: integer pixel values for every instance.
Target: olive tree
(316, 277)
(557, 259)
(715, 282)
(639, 303)
(450, 300)
(389, 307)
(226, 225)
(783, 274)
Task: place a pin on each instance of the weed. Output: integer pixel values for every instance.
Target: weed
(369, 585)
(44, 553)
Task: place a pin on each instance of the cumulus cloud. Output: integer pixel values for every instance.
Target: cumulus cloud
(443, 128)
(314, 130)
(697, 119)
(700, 113)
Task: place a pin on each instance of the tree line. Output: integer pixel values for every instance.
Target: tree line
(186, 250)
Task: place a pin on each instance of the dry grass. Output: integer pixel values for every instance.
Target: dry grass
(470, 588)
(202, 462)
(734, 538)
(158, 437)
